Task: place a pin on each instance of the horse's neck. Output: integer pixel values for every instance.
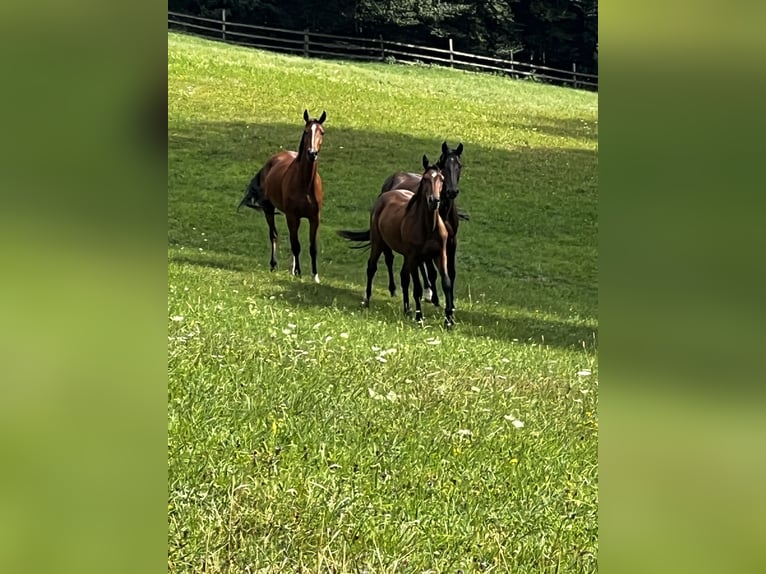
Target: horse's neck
(426, 218)
(448, 212)
(446, 206)
(306, 171)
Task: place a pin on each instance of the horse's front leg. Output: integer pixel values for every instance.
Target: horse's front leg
(313, 231)
(451, 252)
(431, 268)
(449, 318)
(417, 292)
(404, 275)
(293, 223)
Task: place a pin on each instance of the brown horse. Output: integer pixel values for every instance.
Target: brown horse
(451, 165)
(409, 223)
(290, 183)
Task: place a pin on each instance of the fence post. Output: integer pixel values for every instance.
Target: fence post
(512, 70)
(382, 49)
(223, 23)
(306, 42)
(574, 74)
(451, 59)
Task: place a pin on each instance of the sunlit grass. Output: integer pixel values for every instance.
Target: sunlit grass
(308, 434)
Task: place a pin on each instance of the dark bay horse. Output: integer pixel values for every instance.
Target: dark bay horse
(409, 223)
(451, 166)
(290, 183)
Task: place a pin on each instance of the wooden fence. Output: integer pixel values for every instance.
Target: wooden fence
(308, 44)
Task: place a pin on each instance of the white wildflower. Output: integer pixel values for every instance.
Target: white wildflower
(344, 335)
(464, 432)
(177, 318)
(514, 421)
(584, 372)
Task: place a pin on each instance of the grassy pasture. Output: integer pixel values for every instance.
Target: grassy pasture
(306, 434)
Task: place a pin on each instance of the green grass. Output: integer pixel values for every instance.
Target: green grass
(306, 434)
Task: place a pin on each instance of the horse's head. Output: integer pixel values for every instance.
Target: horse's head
(431, 184)
(451, 165)
(313, 133)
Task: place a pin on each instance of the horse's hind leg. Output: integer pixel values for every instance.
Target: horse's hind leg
(293, 223)
(313, 231)
(389, 255)
(268, 210)
(372, 268)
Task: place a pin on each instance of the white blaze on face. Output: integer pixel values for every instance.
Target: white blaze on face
(313, 137)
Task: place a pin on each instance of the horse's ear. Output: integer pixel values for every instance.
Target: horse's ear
(445, 149)
(323, 117)
(459, 148)
(306, 116)
(425, 162)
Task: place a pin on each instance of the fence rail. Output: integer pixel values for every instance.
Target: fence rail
(346, 47)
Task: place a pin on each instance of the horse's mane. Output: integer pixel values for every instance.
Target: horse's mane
(302, 145)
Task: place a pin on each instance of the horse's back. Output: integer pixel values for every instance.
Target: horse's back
(401, 180)
(387, 215)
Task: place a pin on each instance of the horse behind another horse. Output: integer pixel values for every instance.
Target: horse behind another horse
(409, 223)
(451, 166)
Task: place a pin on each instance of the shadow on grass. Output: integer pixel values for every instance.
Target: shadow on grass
(303, 292)
(545, 219)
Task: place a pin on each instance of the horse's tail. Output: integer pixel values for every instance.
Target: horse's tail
(463, 215)
(253, 195)
(356, 236)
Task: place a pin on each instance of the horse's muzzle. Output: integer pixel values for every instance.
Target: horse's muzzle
(451, 193)
(313, 155)
(433, 204)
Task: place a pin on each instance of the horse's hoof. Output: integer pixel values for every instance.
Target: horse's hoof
(365, 302)
(316, 278)
(427, 294)
(419, 318)
(449, 323)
